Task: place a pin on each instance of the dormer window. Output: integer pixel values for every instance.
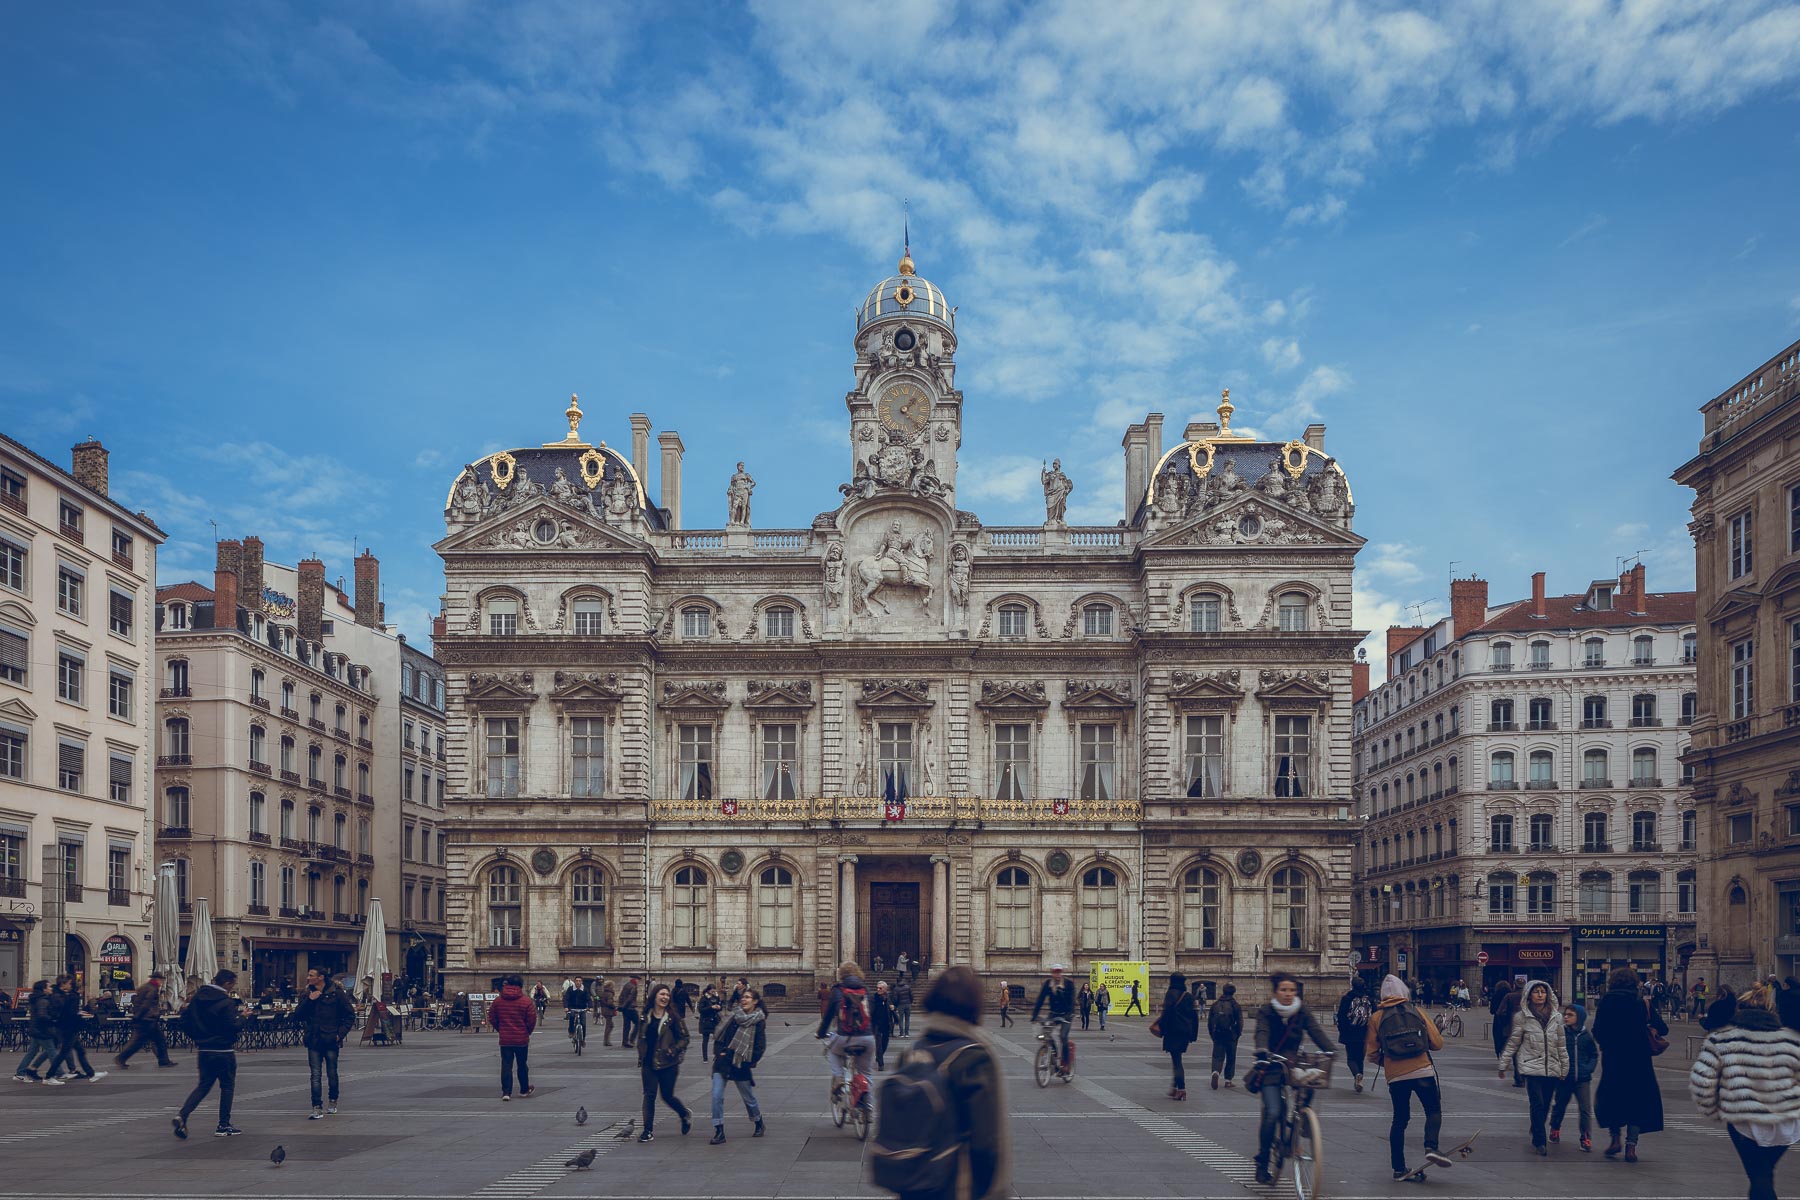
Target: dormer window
(177, 616)
(1601, 599)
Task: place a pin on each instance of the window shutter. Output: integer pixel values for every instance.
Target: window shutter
(13, 650)
(69, 757)
(121, 771)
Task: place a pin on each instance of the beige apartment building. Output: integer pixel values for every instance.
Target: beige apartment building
(1746, 747)
(76, 676)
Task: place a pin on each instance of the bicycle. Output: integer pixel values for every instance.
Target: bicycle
(1297, 1132)
(578, 1029)
(1449, 1022)
(1045, 1065)
(858, 1105)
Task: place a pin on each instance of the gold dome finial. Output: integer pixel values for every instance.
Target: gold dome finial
(1225, 410)
(573, 416)
(906, 262)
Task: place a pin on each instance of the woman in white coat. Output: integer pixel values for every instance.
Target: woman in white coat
(1748, 1076)
(1543, 1054)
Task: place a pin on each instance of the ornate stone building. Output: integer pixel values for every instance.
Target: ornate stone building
(898, 729)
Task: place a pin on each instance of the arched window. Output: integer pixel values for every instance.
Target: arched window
(775, 908)
(315, 769)
(778, 621)
(1292, 612)
(505, 896)
(362, 779)
(341, 721)
(1201, 909)
(362, 836)
(178, 677)
(259, 816)
(177, 813)
(259, 746)
(1643, 890)
(1503, 888)
(288, 899)
(340, 824)
(1643, 767)
(314, 825)
(1204, 613)
(1594, 895)
(1290, 927)
(1500, 769)
(1542, 766)
(287, 819)
(587, 902)
(1500, 716)
(1594, 652)
(1643, 831)
(1593, 833)
(586, 615)
(1012, 909)
(1540, 894)
(1643, 650)
(1540, 656)
(337, 896)
(1690, 707)
(1500, 656)
(340, 767)
(1097, 620)
(1593, 713)
(1643, 710)
(1593, 769)
(1013, 618)
(1542, 827)
(288, 770)
(689, 908)
(1500, 833)
(362, 897)
(1099, 909)
(696, 623)
(502, 617)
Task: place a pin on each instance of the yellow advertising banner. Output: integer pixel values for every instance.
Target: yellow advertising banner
(1119, 977)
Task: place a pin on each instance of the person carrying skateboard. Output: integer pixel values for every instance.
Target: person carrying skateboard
(1400, 1041)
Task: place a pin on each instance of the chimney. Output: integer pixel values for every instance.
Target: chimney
(640, 445)
(89, 465)
(1468, 603)
(225, 584)
(1136, 440)
(439, 626)
(368, 590)
(1200, 430)
(1400, 635)
(1631, 590)
(671, 475)
(250, 574)
(311, 598)
(1359, 679)
(1314, 436)
(1537, 596)
(1152, 444)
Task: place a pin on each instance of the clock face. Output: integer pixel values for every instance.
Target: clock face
(905, 407)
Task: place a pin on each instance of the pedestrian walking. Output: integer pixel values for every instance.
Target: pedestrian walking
(1179, 1025)
(1748, 1076)
(743, 1038)
(660, 1049)
(325, 1016)
(707, 1011)
(1504, 1007)
(1399, 1042)
(1538, 1050)
(40, 1036)
(608, 1004)
(540, 997)
(628, 1011)
(881, 1020)
(1353, 1013)
(678, 999)
(146, 1025)
(1584, 1056)
(916, 967)
(1084, 1000)
(1628, 1100)
(1282, 1025)
(900, 966)
(1697, 999)
(513, 1017)
(1224, 1025)
(980, 1157)
(1005, 1004)
(1137, 1000)
(903, 1002)
(212, 1020)
(1102, 1002)
(70, 1016)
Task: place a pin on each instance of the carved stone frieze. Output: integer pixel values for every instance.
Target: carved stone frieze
(1033, 688)
(1185, 679)
(711, 690)
(919, 689)
(1082, 687)
(1269, 676)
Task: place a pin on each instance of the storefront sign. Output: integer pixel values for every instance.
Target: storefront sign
(11, 933)
(1449, 952)
(115, 951)
(1621, 933)
(1525, 955)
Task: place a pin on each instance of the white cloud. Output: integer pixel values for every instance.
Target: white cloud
(1393, 561)
(1006, 477)
(1629, 530)
(1281, 354)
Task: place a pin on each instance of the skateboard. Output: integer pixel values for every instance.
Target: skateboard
(1462, 1151)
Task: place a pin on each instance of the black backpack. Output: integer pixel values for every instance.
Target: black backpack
(1402, 1033)
(917, 1139)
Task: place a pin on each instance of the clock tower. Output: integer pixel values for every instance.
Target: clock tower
(905, 410)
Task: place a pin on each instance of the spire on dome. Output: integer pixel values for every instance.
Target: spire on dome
(906, 261)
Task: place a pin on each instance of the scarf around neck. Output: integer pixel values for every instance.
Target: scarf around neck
(1286, 1010)
(743, 1035)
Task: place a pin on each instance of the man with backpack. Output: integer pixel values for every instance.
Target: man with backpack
(943, 1128)
(1225, 1025)
(848, 1006)
(1353, 1014)
(212, 1022)
(1400, 1041)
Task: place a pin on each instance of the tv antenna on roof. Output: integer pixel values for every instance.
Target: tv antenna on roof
(1417, 610)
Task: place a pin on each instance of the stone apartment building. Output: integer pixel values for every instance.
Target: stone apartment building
(424, 784)
(280, 764)
(76, 674)
(1518, 774)
(897, 729)
(1746, 750)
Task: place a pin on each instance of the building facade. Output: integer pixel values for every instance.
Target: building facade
(1519, 776)
(898, 729)
(1746, 749)
(280, 764)
(424, 788)
(76, 680)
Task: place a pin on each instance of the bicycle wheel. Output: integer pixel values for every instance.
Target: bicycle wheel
(1041, 1068)
(864, 1118)
(1456, 1025)
(840, 1108)
(1309, 1155)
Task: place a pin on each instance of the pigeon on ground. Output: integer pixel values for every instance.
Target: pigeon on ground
(625, 1132)
(278, 1155)
(584, 1160)
(581, 1115)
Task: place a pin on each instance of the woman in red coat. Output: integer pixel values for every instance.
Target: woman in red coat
(513, 1017)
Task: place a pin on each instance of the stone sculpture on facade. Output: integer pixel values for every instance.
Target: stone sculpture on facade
(1056, 492)
(898, 561)
(834, 576)
(563, 491)
(961, 568)
(470, 500)
(737, 497)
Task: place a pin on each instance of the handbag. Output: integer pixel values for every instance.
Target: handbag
(1258, 1075)
(1658, 1043)
(1156, 1028)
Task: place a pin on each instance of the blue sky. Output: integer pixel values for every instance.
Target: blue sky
(295, 264)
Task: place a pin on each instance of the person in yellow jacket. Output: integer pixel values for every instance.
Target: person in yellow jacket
(1403, 1053)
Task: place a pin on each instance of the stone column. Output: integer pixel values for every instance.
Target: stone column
(940, 911)
(847, 911)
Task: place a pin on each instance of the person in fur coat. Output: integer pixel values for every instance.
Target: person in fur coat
(1748, 1076)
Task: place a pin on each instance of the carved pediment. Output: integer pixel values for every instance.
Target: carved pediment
(17, 710)
(1097, 694)
(1737, 600)
(1013, 694)
(1739, 794)
(894, 693)
(500, 689)
(1303, 687)
(1253, 519)
(543, 526)
(590, 688)
(1791, 787)
(1200, 689)
(694, 695)
(779, 693)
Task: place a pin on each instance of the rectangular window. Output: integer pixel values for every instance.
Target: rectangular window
(1012, 761)
(778, 622)
(1738, 829)
(406, 783)
(1794, 662)
(502, 756)
(118, 695)
(70, 586)
(443, 841)
(12, 565)
(1540, 656)
(12, 752)
(1293, 755)
(118, 779)
(695, 761)
(12, 490)
(406, 844)
(696, 623)
(894, 758)
(70, 515)
(587, 756)
(119, 613)
(1098, 762)
(1501, 899)
(588, 614)
(780, 763)
(1012, 621)
(12, 857)
(503, 617)
(15, 656)
(118, 875)
(121, 548)
(1742, 548)
(71, 765)
(68, 677)
(1743, 679)
(1205, 757)
(1203, 614)
(71, 868)
(1097, 621)
(259, 885)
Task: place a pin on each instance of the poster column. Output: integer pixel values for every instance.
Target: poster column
(847, 910)
(940, 911)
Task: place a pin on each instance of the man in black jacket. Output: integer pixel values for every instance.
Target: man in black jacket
(1059, 994)
(881, 1016)
(212, 1021)
(326, 1017)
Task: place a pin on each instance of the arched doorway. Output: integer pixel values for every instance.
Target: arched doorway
(77, 962)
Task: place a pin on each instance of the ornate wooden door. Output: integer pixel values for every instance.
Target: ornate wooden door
(893, 921)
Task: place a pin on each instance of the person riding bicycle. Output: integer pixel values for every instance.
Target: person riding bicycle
(575, 1003)
(1282, 1027)
(1059, 994)
(847, 1004)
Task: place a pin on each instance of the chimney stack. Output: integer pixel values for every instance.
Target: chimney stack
(89, 465)
(225, 584)
(440, 625)
(1152, 444)
(1631, 590)
(671, 475)
(1468, 603)
(640, 446)
(1537, 596)
(311, 599)
(1400, 635)
(368, 590)
(1136, 441)
(1199, 431)
(1359, 679)
(1315, 436)
(250, 574)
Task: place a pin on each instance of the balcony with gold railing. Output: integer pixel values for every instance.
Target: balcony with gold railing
(929, 810)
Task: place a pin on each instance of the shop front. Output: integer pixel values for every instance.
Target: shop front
(1516, 962)
(75, 962)
(1601, 949)
(116, 964)
(1440, 964)
(281, 966)
(12, 956)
